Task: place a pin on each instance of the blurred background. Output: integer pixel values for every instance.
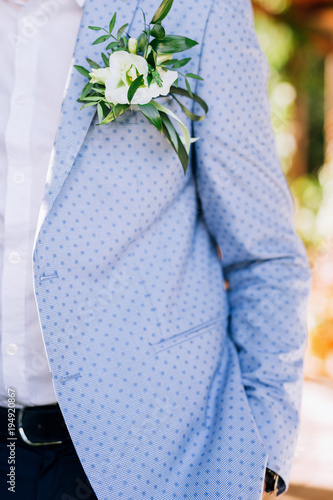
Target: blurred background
(297, 38)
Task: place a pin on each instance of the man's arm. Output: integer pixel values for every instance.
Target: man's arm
(249, 212)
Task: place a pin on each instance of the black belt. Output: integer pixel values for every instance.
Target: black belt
(35, 425)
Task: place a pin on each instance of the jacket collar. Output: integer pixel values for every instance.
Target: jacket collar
(74, 123)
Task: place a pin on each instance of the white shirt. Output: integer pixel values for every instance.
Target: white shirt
(37, 40)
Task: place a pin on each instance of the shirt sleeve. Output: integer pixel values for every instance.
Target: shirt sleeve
(248, 210)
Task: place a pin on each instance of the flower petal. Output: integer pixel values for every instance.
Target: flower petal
(143, 95)
(99, 75)
(117, 95)
(168, 78)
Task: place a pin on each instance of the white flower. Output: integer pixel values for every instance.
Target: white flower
(132, 45)
(99, 75)
(168, 78)
(124, 69)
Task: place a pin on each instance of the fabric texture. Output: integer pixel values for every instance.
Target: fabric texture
(172, 384)
(35, 67)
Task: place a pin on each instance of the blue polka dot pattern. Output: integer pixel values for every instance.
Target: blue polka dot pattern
(173, 385)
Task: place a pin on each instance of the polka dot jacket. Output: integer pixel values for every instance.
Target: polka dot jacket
(172, 306)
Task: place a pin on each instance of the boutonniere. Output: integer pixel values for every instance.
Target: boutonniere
(137, 71)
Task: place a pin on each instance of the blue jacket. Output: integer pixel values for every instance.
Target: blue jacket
(172, 306)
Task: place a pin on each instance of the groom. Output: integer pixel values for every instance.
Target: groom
(172, 307)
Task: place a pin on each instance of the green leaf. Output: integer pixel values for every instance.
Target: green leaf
(92, 98)
(172, 44)
(142, 42)
(109, 118)
(144, 17)
(134, 87)
(152, 114)
(117, 110)
(172, 132)
(112, 45)
(95, 28)
(168, 63)
(100, 113)
(105, 106)
(86, 89)
(101, 39)
(148, 51)
(162, 11)
(93, 64)
(188, 87)
(175, 141)
(156, 77)
(124, 41)
(192, 75)
(177, 63)
(112, 22)
(82, 70)
(99, 90)
(151, 60)
(121, 31)
(88, 104)
(158, 32)
(178, 91)
(105, 60)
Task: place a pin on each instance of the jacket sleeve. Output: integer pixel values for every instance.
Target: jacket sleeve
(248, 210)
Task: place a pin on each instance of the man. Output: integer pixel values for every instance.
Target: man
(172, 307)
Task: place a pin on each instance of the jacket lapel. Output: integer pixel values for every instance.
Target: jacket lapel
(74, 123)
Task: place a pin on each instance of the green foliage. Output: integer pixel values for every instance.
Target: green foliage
(156, 114)
(92, 64)
(121, 31)
(295, 62)
(172, 44)
(162, 11)
(85, 72)
(134, 87)
(151, 113)
(158, 32)
(112, 22)
(101, 39)
(176, 63)
(308, 194)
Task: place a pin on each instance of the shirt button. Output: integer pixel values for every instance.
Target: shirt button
(14, 257)
(18, 178)
(12, 349)
(21, 99)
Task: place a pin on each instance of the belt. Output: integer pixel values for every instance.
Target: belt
(34, 425)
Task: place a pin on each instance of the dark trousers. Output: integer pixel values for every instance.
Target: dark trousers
(42, 473)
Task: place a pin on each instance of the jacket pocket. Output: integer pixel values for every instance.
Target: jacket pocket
(186, 335)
